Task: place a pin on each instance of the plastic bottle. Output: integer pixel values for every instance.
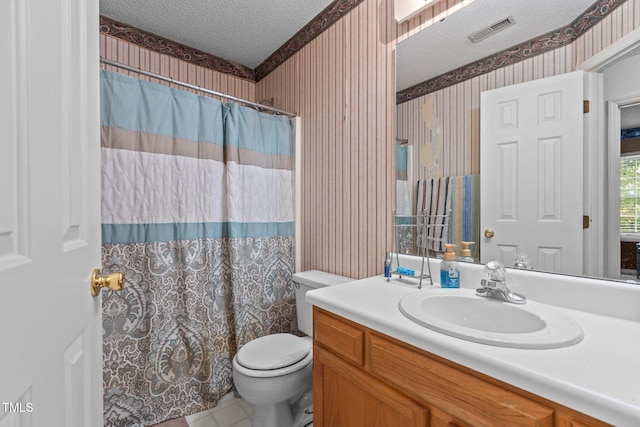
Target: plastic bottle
(465, 252)
(387, 265)
(449, 268)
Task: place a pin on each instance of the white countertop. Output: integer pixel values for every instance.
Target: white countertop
(600, 376)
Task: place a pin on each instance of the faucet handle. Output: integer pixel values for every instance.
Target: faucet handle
(496, 286)
(499, 290)
(522, 260)
(495, 270)
(493, 285)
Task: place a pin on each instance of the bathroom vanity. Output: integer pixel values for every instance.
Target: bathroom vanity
(362, 377)
(375, 367)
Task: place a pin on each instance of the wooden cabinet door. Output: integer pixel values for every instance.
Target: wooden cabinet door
(346, 396)
(438, 418)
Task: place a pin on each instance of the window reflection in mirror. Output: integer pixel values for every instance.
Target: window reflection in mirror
(630, 193)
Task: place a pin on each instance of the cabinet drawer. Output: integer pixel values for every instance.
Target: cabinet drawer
(339, 335)
(464, 397)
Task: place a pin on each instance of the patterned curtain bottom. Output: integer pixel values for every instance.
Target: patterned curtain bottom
(170, 335)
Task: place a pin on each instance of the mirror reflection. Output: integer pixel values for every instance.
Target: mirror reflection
(441, 130)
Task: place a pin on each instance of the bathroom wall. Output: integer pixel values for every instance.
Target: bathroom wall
(342, 86)
(622, 79)
(447, 122)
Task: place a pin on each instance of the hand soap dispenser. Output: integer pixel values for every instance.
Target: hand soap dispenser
(465, 252)
(449, 268)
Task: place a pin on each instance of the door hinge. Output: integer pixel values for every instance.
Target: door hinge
(585, 106)
(586, 221)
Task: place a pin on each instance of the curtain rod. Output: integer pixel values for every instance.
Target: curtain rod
(180, 83)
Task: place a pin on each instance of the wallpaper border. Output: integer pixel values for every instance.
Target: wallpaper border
(537, 46)
(325, 19)
(165, 46)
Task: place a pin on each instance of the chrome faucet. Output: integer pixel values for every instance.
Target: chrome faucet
(496, 286)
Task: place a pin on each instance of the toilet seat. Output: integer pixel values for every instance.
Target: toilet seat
(273, 355)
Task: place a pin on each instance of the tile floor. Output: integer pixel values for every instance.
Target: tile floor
(230, 412)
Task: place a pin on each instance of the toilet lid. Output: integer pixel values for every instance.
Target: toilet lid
(273, 352)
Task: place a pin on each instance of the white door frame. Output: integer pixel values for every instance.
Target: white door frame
(612, 235)
(604, 181)
(593, 172)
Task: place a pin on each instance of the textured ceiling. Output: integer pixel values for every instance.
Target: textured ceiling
(242, 31)
(444, 46)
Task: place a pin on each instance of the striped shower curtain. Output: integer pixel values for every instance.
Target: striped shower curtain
(459, 198)
(465, 212)
(403, 229)
(197, 212)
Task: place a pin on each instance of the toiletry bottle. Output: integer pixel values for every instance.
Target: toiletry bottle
(465, 252)
(449, 271)
(387, 265)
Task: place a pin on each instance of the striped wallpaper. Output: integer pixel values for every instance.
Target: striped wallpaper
(129, 54)
(342, 86)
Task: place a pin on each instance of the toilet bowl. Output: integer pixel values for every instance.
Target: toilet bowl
(275, 372)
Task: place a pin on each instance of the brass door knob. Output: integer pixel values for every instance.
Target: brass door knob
(488, 233)
(114, 281)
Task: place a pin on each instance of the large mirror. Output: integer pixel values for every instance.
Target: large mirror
(441, 128)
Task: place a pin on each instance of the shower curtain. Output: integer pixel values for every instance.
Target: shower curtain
(404, 235)
(197, 211)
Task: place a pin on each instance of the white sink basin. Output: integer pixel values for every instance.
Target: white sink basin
(462, 314)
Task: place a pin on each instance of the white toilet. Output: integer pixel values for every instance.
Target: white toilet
(274, 372)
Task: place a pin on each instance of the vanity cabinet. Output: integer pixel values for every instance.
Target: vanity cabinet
(352, 398)
(364, 378)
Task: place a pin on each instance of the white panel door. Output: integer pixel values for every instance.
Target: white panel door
(531, 161)
(50, 325)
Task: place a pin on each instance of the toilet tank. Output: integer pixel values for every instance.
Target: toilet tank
(306, 281)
